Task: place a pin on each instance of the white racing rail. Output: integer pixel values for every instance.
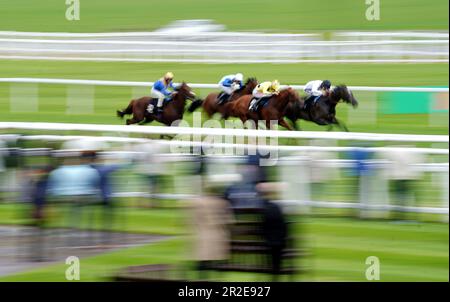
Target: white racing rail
(203, 144)
(198, 132)
(232, 47)
(201, 85)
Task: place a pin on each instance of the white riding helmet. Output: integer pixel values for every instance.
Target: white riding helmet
(239, 77)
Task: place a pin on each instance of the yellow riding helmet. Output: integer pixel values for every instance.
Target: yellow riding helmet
(169, 75)
(275, 85)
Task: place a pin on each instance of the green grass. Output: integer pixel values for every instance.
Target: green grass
(262, 15)
(407, 252)
(52, 98)
(351, 74)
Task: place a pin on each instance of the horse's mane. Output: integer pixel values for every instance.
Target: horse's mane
(182, 86)
(344, 93)
(249, 80)
(339, 89)
(252, 79)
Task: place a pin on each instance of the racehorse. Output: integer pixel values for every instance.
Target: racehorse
(322, 111)
(210, 104)
(273, 110)
(172, 110)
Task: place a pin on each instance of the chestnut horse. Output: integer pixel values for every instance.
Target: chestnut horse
(272, 111)
(172, 111)
(210, 104)
(323, 110)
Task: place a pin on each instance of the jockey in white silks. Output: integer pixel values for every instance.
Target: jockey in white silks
(315, 89)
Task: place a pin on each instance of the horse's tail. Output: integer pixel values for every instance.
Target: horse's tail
(195, 104)
(128, 110)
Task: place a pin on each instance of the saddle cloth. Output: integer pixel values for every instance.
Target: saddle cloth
(260, 103)
(309, 101)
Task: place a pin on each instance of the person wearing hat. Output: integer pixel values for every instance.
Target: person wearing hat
(229, 84)
(160, 90)
(315, 89)
(265, 89)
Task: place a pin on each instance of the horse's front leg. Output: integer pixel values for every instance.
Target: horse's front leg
(340, 124)
(294, 125)
(283, 123)
(134, 120)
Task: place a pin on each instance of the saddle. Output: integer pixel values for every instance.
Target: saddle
(310, 101)
(259, 103)
(223, 98)
(154, 101)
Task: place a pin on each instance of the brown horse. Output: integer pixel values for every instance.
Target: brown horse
(273, 111)
(172, 111)
(210, 104)
(323, 110)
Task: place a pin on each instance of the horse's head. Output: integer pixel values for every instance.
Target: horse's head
(342, 92)
(249, 85)
(185, 91)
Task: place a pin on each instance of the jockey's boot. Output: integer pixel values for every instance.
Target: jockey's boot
(159, 111)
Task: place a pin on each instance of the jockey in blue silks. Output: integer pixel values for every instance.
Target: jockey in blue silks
(229, 84)
(160, 90)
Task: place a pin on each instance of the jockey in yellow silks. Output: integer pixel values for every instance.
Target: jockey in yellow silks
(265, 89)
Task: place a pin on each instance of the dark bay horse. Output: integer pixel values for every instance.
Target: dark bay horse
(273, 111)
(210, 104)
(323, 110)
(172, 110)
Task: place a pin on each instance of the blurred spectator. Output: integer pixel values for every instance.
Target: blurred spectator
(77, 183)
(210, 218)
(401, 172)
(149, 164)
(3, 154)
(75, 177)
(361, 170)
(106, 171)
(274, 226)
(38, 190)
(9, 172)
(360, 157)
(244, 193)
(321, 173)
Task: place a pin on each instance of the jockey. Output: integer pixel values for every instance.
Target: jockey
(315, 89)
(230, 84)
(265, 89)
(160, 90)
